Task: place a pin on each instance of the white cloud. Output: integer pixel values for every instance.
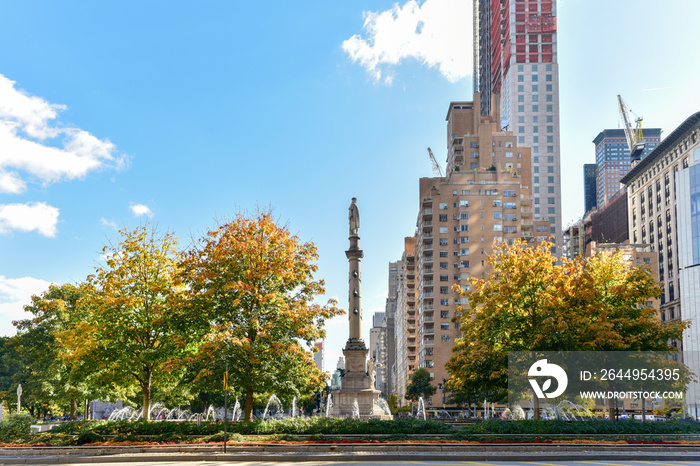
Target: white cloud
(140, 209)
(38, 149)
(15, 293)
(34, 216)
(437, 34)
(11, 183)
(108, 223)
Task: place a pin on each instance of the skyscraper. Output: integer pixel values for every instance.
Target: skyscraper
(485, 197)
(318, 355)
(405, 320)
(612, 158)
(589, 190)
(518, 71)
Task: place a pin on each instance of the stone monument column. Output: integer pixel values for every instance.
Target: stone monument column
(357, 383)
(354, 254)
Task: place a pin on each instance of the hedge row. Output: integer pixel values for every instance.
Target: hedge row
(303, 426)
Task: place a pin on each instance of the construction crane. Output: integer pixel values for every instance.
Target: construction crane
(635, 140)
(436, 166)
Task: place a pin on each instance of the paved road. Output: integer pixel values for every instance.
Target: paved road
(413, 463)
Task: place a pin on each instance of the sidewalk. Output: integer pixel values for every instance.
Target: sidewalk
(349, 452)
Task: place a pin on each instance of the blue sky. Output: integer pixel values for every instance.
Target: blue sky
(184, 113)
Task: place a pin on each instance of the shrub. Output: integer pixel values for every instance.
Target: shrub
(15, 427)
(89, 437)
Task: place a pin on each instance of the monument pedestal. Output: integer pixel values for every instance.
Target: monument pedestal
(357, 385)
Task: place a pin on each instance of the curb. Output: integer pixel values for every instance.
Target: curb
(357, 453)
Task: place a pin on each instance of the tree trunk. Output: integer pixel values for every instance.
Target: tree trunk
(146, 389)
(536, 408)
(87, 409)
(611, 409)
(248, 404)
(72, 408)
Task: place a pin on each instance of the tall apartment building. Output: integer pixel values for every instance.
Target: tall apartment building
(379, 350)
(318, 355)
(486, 196)
(664, 206)
(405, 364)
(660, 212)
(389, 359)
(517, 61)
(612, 158)
(589, 190)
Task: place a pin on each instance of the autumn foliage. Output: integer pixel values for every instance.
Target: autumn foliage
(153, 319)
(533, 303)
(252, 290)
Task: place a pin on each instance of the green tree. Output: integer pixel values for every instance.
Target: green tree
(420, 386)
(133, 324)
(531, 303)
(12, 370)
(253, 289)
(49, 379)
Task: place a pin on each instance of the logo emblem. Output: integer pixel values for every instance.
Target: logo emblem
(544, 369)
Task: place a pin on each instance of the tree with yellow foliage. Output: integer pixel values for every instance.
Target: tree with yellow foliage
(133, 324)
(532, 303)
(251, 292)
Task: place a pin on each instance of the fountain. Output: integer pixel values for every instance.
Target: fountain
(566, 410)
(384, 407)
(355, 409)
(237, 412)
(293, 409)
(420, 412)
(329, 405)
(276, 406)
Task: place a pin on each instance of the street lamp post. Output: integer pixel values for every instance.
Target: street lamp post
(442, 386)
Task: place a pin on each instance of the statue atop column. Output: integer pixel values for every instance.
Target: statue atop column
(354, 217)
